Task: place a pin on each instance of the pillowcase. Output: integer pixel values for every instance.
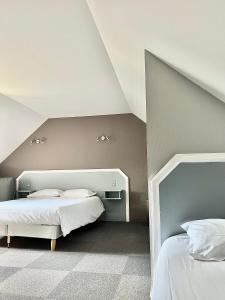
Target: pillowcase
(46, 193)
(78, 193)
(206, 239)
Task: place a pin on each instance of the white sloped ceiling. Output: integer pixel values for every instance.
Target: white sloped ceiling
(77, 58)
(17, 122)
(187, 34)
(54, 61)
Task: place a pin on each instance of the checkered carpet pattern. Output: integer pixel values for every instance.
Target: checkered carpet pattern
(104, 261)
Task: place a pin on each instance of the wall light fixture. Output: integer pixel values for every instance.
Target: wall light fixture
(38, 141)
(103, 138)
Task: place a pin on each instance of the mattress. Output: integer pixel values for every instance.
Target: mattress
(179, 277)
(70, 214)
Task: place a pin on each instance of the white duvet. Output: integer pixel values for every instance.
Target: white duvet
(68, 213)
(180, 277)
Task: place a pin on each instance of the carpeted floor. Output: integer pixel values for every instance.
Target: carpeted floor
(102, 261)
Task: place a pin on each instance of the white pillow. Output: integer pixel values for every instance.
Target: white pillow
(78, 193)
(207, 239)
(46, 193)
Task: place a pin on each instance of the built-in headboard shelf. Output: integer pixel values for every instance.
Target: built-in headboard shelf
(98, 180)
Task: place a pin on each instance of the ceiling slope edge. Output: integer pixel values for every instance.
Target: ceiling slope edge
(107, 53)
(111, 61)
(17, 123)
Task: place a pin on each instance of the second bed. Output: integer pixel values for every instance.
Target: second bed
(179, 276)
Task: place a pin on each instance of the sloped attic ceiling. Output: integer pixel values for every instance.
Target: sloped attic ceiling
(189, 35)
(17, 122)
(53, 59)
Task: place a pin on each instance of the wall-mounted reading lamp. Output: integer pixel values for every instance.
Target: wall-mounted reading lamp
(103, 138)
(38, 141)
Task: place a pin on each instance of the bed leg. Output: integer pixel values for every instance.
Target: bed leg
(8, 241)
(53, 245)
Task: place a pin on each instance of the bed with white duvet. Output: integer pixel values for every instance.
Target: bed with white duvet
(68, 213)
(179, 276)
(49, 213)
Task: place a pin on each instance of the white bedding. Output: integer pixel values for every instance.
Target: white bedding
(68, 213)
(180, 277)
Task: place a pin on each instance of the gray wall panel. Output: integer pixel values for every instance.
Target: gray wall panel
(7, 188)
(192, 191)
(181, 116)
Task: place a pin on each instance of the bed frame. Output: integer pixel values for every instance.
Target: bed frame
(35, 231)
(98, 180)
(188, 187)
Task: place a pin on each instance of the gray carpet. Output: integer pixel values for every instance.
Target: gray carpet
(102, 261)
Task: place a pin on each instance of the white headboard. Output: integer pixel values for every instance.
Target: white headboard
(98, 180)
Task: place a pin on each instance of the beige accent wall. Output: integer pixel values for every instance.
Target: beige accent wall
(71, 144)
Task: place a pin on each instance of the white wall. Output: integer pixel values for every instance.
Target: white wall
(17, 122)
(181, 116)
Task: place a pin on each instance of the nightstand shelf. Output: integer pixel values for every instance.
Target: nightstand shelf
(22, 193)
(113, 195)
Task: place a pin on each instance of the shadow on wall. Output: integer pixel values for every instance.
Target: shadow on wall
(139, 207)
